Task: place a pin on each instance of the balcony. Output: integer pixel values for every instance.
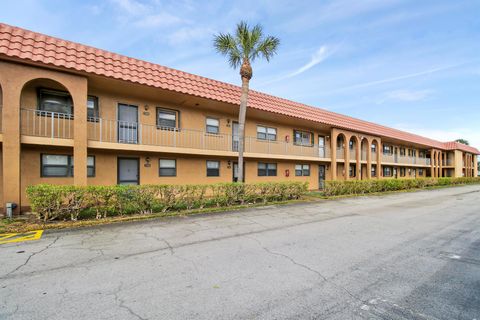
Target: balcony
(59, 127)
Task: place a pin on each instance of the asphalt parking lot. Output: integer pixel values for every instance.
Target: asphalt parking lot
(399, 256)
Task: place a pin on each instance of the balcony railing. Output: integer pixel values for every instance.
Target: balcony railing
(48, 124)
(340, 153)
(353, 154)
(113, 131)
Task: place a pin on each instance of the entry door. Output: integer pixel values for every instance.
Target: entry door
(127, 123)
(128, 171)
(395, 172)
(235, 139)
(321, 146)
(395, 155)
(321, 176)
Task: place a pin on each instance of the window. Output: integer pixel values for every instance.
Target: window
(55, 165)
(387, 171)
(402, 172)
(373, 148)
(302, 138)
(167, 167)
(166, 119)
(266, 133)
(422, 154)
(55, 101)
(213, 168)
(420, 172)
(302, 170)
(267, 169)
(374, 171)
(387, 149)
(213, 125)
(351, 144)
(92, 108)
(402, 152)
(352, 170)
(90, 166)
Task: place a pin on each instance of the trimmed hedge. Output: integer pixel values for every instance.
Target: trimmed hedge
(56, 202)
(337, 188)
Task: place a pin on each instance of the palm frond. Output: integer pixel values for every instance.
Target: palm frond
(246, 44)
(227, 46)
(268, 47)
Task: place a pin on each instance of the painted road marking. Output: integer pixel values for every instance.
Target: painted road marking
(20, 237)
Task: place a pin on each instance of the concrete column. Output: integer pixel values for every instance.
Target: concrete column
(80, 134)
(432, 163)
(358, 159)
(333, 151)
(11, 147)
(379, 159)
(346, 164)
(440, 170)
(475, 165)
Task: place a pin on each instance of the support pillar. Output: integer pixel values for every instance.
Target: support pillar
(11, 147)
(80, 134)
(333, 151)
(358, 158)
(369, 159)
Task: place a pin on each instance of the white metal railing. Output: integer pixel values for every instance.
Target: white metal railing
(374, 156)
(114, 131)
(46, 124)
(364, 155)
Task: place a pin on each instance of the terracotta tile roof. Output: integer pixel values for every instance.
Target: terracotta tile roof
(38, 48)
(453, 145)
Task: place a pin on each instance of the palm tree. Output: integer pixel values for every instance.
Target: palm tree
(242, 48)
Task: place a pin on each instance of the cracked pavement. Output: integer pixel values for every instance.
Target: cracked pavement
(399, 256)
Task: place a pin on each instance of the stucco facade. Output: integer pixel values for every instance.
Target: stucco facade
(322, 151)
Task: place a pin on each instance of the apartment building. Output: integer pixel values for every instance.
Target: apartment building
(73, 114)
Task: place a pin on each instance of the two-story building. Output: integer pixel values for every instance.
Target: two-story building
(73, 114)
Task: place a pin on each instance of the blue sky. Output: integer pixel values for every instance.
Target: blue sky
(409, 64)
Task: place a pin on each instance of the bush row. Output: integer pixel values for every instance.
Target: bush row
(336, 188)
(56, 202)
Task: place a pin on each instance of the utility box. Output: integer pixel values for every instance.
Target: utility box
(10, 207)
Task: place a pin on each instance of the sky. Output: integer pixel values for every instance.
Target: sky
(413, 65)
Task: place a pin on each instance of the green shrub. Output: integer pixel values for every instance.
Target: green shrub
(337, 188)
(55, 202)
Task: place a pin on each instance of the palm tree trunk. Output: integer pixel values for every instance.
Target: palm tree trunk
(241, 126)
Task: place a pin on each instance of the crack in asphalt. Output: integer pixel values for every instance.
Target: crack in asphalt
(121, 303)
(316, 272)
(30, 257)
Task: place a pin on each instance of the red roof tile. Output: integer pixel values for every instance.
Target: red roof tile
(31, 46)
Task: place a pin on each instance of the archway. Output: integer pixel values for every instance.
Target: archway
(354, 157)
(46, 109)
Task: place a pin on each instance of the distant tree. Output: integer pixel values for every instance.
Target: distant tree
(463, 141)
(241, 48)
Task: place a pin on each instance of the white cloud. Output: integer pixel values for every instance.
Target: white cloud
(398, 78)
(132, 7)
(445, 135)
(189, 34)
(318, 57)
(159, 20)
(406, 95)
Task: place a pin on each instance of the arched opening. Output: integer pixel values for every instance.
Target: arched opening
(46, 109)
(364, 158)
(353, 145)
(340, 152)
(341, 146)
